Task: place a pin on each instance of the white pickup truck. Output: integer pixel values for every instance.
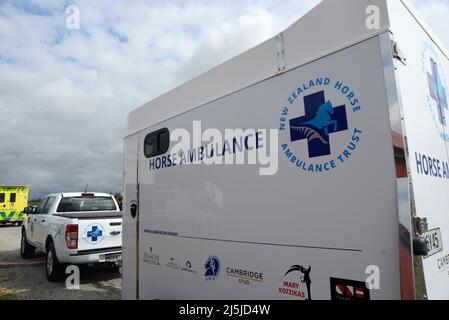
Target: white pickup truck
(74, 228)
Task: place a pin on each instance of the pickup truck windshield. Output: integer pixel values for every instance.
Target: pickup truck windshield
(77, 204)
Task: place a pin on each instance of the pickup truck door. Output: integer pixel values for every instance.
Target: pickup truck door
(41, 223)
(33, 221)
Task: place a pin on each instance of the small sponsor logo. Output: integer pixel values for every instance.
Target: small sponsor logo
(292, 287)
(212, 268)
(151, 258)
(172, 263)
(244, 276)
(188, 267)
(348, 290)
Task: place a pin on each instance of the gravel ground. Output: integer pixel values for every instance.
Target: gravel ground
(25, 279)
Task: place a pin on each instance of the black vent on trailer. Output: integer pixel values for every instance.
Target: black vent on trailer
(156, 143)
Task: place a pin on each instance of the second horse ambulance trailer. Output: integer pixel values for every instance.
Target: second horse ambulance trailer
(313, 166)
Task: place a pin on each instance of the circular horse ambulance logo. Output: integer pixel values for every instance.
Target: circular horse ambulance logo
(94, 233)
(435, 82)
(317, 125)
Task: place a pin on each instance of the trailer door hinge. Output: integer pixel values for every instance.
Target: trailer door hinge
(398, 54)
(420, 225)
(280, 52)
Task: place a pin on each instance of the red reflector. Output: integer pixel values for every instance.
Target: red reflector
(71, 236)
(87, 194)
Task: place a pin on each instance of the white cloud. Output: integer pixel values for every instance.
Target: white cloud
(65, 95)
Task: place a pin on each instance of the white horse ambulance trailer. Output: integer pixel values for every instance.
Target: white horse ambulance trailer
(339, 187)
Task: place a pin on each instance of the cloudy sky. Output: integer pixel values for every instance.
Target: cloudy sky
(65, 94)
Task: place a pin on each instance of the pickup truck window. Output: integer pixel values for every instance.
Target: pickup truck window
(77, 204)
(40, 207)
(48, 205)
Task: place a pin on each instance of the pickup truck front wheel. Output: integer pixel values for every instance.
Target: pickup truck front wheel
(26, 250)
(53, 268)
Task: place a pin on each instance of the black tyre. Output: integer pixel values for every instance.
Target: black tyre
(26, 249)
(53, 268)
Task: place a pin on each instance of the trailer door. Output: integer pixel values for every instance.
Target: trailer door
(318, 228)
(130, 239)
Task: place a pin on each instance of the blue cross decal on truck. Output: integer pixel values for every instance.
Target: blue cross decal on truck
(437, 91)
(6, 217)
(94, 234)
(320, 121)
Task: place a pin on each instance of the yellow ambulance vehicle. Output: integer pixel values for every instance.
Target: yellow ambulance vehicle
(13, 200)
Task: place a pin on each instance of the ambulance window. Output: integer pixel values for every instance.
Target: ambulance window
(12, 197)
(2, 198)
(156, 143)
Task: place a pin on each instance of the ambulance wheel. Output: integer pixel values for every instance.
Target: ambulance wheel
(53, 268)
(26, 250)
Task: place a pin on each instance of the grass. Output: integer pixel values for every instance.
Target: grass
(6, 294)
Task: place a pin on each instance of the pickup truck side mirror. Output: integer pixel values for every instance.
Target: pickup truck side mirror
(29, 210)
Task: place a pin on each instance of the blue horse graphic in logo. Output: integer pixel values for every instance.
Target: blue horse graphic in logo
(94, 233)
(437, 91)
(321, 119)
(212, 267)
